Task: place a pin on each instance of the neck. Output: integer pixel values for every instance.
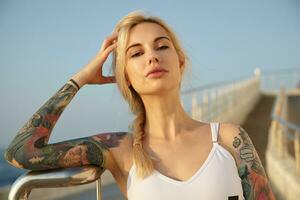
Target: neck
(165, 117)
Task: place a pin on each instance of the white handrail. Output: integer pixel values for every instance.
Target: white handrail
(22, 187)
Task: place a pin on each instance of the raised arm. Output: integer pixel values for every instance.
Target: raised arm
(30, 148)
(253, 176)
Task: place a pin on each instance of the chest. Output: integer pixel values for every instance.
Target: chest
(180, 161)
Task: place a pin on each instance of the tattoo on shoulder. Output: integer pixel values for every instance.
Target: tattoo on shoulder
(254, 180)
(110, 140)
(247, 153)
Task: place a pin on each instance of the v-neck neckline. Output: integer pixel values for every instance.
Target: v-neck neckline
(200, 169)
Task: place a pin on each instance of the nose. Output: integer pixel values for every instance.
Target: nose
(153, 59)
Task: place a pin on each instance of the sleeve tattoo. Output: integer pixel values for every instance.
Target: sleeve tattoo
(254, 180)
(30, 148)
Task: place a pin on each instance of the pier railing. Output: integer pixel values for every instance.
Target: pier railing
(229, 101)
(284, 135)
(283, 151)
(22, 187)
(273, 80)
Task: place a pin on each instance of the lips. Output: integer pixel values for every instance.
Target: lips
(157, 69)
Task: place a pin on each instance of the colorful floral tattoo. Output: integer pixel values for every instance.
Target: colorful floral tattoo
(30, 148)
(254, 180)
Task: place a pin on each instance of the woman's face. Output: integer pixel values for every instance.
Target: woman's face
(149, 47)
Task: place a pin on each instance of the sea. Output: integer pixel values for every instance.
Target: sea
(8, 173)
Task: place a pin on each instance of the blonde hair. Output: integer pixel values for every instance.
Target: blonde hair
(142, 160)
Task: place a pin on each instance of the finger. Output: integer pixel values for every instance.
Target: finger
(108, 50)
(110, 39)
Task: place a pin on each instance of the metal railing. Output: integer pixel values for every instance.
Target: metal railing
(273, 80)
(219, 101)
(22, 187)
(284, 136)
(283, 150)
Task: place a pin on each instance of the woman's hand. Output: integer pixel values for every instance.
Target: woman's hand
(92, 72)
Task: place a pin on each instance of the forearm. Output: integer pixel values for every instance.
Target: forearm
(36, 132)
(72, 153)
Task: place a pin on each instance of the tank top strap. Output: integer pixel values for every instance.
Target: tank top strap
(214, 126)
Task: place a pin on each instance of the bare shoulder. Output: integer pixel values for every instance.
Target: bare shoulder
(228, 135)
(228, 131)
(119, 145)
(122, 146)
(236, 140)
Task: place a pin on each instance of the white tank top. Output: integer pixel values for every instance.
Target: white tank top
(216, 179)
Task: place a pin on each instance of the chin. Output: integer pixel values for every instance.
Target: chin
(158, 89)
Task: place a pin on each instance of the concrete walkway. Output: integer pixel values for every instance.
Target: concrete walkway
(257, 124)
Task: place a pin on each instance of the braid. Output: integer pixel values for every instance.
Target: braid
(142, 160)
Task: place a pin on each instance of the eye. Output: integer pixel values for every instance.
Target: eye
(136, 54)
(140, 53)
(163, 47)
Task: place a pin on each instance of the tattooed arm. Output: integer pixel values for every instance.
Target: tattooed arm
(254, 180)
(30, 148)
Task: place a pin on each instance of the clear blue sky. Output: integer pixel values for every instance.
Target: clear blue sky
(43, 43)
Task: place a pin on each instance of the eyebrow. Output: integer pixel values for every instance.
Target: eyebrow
(156, 39)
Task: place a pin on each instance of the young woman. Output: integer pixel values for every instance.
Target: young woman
(168, 155)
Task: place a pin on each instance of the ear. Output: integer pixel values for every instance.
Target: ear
(181, 61)
(128, 83)
(127, 80)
